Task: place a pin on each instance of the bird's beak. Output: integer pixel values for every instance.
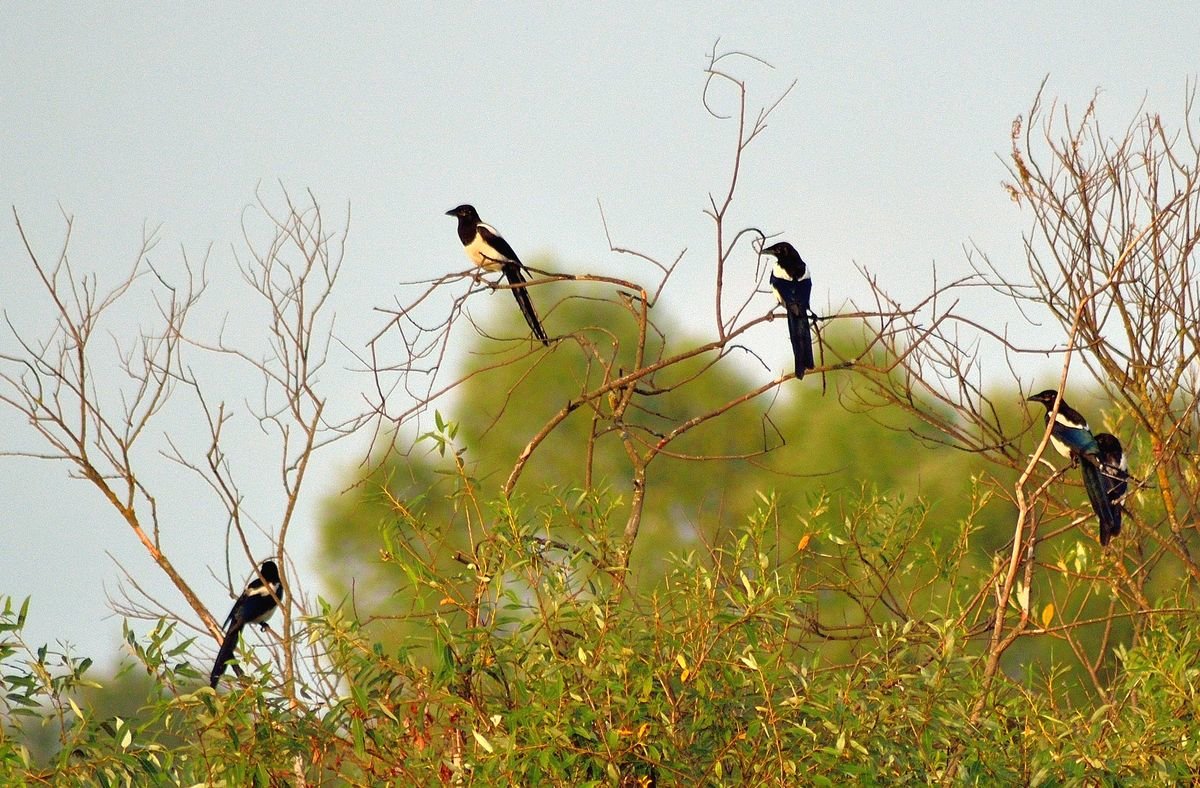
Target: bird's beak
(450, 212)
(1032, 399)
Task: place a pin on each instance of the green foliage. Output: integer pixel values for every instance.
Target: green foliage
(809, 615)
(417, 502)
(544, 674)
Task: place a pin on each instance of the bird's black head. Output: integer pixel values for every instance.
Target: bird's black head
(781, 251)
(1108, 443)
(464, 211)
(1046, 397)
(269, 571)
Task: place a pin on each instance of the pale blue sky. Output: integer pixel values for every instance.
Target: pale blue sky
(884, 155)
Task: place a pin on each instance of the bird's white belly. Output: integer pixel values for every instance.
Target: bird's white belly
(482, 254)
(1060, 447)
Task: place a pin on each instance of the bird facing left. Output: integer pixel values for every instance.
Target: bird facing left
(487, 249)
(792, 283)
(1072, 437)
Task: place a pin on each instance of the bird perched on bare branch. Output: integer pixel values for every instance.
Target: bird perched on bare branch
(1072, 437)
(793, 288)
(256, 605)
(487, 249)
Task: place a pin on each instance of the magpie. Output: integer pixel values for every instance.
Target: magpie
(1115, 470)
(793, 287)
(256, 604)
(1072, 438)
(487, 249)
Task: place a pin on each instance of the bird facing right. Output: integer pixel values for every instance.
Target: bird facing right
(255, 606)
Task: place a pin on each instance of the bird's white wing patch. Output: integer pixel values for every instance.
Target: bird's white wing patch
(1063, 420)
(780, 273)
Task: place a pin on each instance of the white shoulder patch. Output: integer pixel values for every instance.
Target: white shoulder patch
(1063, 420)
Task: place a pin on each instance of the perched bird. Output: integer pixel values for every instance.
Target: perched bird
(1072, 438)
(793, 287)
(256, 604)
(1115, 471)
(487, 249)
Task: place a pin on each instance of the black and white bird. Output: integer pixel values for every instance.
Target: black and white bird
(793, 289)
(487, 249)
(1115, 470)
(1072, 437)
(256, 605)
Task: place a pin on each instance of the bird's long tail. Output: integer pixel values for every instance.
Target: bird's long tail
(1107, 512)
(516, 277)
(228, 645)
(801, 336)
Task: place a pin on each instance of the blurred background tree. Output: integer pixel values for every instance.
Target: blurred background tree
(822, 453)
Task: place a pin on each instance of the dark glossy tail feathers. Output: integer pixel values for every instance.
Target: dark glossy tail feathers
(801, 335)
(512, 272)
(228, 646)
(1107, 511)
